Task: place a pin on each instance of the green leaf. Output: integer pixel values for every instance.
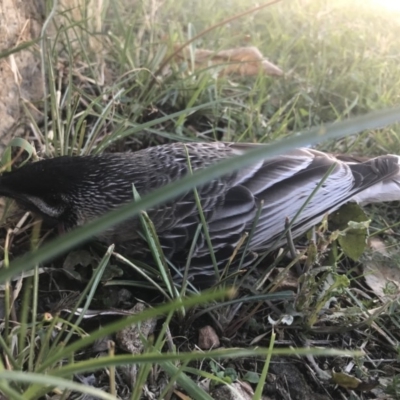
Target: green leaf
(353, 243)
(348, 212)
(251, 377)
(231, 373)
(351, 220)
(214, 367)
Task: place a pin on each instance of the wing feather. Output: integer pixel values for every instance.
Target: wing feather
(281, 184)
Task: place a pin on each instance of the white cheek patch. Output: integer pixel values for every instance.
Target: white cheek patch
(44, 207)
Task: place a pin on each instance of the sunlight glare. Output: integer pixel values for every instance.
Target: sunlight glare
(391, 5)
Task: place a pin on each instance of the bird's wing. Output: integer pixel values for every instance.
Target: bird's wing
(229, 203)
(284, 184)
(280, 185)
(387, 189)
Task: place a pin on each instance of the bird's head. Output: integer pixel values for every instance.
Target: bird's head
(72, 190)
(49, 188)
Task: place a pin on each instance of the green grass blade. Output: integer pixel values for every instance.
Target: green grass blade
(185, 382)
(46, 381)
(174, 305)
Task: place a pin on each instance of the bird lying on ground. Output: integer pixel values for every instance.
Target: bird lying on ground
(75, 190)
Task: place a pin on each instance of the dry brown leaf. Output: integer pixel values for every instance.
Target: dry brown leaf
(381, 272)
(243, 61)
(288, 280)
(181, 395)
(353, 383)
(130, 338)
(208, 338)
